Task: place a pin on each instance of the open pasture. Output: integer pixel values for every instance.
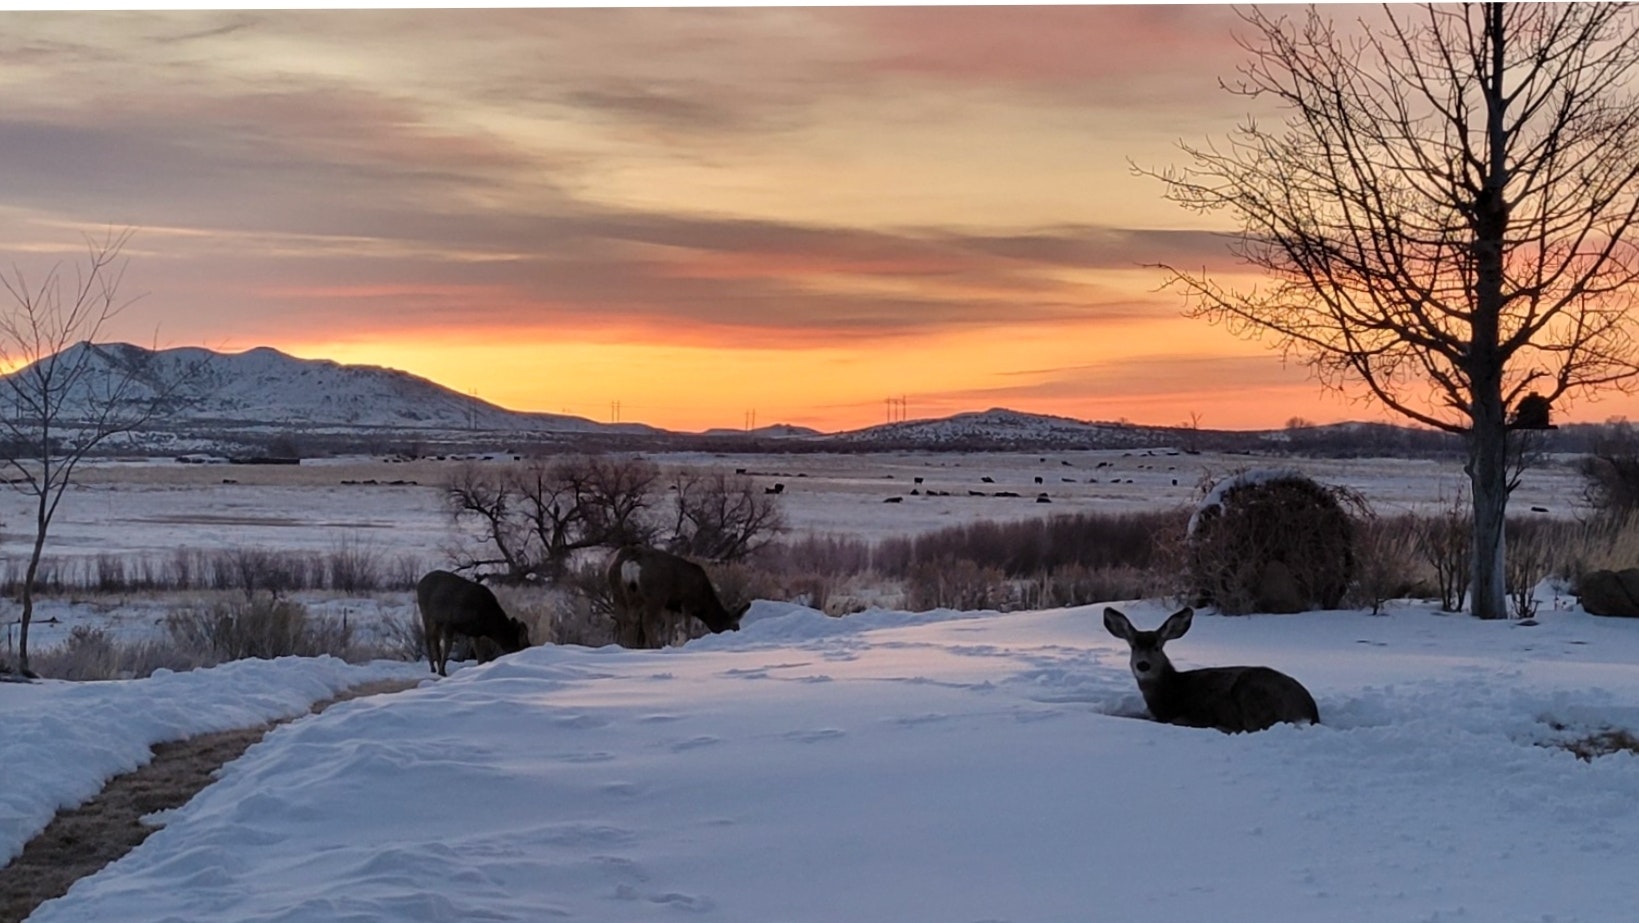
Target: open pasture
(156, 507)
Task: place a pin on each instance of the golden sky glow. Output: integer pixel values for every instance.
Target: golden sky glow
(700, 214)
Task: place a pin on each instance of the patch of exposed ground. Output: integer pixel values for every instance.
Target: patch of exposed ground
(80, 841)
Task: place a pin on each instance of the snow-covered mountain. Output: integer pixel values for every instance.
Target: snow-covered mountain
(999, 428)
(263, 386)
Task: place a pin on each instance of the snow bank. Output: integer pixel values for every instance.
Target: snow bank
(63, 740)
(939, 767)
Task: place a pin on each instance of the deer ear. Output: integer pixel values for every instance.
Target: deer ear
(1117, 624)
(1177, 623)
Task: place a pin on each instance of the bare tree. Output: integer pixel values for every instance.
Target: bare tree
(1446, 216)
(721, 516)
(533, 517)
(474, 493)
(69, 394)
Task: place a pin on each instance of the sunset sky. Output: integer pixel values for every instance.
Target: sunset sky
(701, 214)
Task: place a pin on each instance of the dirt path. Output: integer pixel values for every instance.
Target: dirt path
(80, 841)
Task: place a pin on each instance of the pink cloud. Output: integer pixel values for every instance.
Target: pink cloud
(1057, 45)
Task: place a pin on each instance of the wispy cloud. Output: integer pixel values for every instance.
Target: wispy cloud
(746, 178)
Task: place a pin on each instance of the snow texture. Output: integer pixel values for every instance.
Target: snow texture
(1252, 477)
(63, 740)
(888, 766)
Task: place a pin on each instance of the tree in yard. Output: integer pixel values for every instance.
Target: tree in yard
(1446, 216)
(67, 395)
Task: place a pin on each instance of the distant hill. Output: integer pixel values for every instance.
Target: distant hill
(1000, 428)
(241, 401)
(773, 431)
(265, 387)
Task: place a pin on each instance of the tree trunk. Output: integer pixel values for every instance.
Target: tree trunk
(1488, 480)
(28, 588)
(1488, 434)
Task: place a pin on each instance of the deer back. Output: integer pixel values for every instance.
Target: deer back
(654, 580)
(452, 604)
(1231, 699)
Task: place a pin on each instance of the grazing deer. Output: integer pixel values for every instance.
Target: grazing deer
(646, 583)
(452, 605)
(1231, 699)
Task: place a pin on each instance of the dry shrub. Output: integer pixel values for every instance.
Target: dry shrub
(1604, 543)
(1446, 542)
(90, 653)
(1386, 562)
(1260, 524)
(962, 585)
(401, 636)
(1603, 743)
(1032, 547)
(1075, 585)
(261, 627)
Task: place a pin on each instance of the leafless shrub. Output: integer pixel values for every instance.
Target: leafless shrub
(261, 627)
(1540, 548)
(1604, 543)
(1386, 564)
(401, 636)
(963, 585)
(819, 555)
(1446, 541)
(721, 517)
(1139, 540)
(354, 566)
(1077, 585)
(1610, 474)
(90, 653)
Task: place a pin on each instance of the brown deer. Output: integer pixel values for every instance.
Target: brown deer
(646, 583)
(452, 605)
(1231, 699)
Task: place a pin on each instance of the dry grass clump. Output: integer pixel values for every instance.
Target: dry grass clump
(262, 627)
(1603, 743)
(91, 653)
(202, 635)
(349, 566)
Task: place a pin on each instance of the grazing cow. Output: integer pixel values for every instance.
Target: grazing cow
(647, 583)
(452, 605)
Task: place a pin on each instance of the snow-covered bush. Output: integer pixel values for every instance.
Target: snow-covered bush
(1272, 540)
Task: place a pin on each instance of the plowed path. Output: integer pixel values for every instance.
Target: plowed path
(80, 841)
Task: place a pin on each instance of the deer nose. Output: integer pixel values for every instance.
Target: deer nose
(1142, 666)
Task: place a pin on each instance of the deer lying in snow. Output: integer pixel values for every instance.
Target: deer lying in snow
(1230, 699)
(646, 583)
(452, 605)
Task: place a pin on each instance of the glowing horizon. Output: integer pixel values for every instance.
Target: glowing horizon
(698, 215)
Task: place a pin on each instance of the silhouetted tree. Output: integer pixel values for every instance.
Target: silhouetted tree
(68, 394)
(1446, 216)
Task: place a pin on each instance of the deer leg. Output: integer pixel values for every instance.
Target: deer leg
(629, 626)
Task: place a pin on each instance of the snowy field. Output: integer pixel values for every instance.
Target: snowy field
(944, 767)
(155, 508)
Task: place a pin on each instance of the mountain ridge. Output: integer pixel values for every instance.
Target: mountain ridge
(245, 399)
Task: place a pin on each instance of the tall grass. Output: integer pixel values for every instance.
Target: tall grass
(349, 566)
